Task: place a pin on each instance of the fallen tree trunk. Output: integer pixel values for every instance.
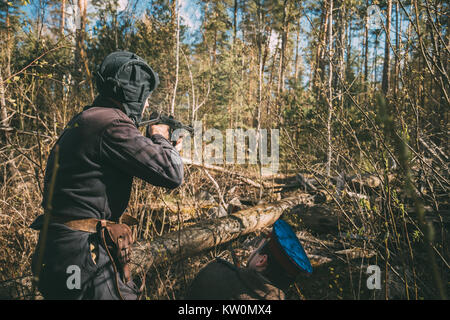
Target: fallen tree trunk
(170, 213)
(206, 235)
(311, 184)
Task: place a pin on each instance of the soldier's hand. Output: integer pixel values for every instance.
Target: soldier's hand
(161, 129)
(179, 145)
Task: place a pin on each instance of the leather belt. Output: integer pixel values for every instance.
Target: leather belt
(90, 224)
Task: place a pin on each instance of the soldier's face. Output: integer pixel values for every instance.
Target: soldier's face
(257, 261)
(145, 108)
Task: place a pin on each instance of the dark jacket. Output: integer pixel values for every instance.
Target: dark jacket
(100, 152)
(220, 280)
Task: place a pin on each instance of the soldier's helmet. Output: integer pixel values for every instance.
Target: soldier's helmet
(128, 79)
(287, 250)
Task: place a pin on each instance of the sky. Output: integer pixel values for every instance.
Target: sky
(189, 12)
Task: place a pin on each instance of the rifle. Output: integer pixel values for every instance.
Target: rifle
(159, 118)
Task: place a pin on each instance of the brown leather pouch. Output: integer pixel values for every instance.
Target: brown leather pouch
(118, 239)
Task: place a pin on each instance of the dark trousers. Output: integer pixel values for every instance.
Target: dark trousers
(69, 271)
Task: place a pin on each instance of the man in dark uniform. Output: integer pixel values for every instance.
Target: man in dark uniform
(270, 270)
(98, 154)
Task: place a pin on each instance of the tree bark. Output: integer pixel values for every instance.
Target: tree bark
(398, 27)
(318, 75)
(340, 48)
(4, 125)
(259, 38)
(235, 12)
(177, 57)
(387, 50)
(8, 42)
(330, 88)
(62, 17)
(284, 37)
(296, 72)
(3, 113)
(366, 51)
(80, 52)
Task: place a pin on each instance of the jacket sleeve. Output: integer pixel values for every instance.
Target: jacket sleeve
(153, 159)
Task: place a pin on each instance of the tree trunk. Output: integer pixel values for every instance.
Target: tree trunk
(193, 240)
(177, 57)
(235, 12)
(80, 52)
(320, 61)
(3, 113)
(375, 60)
(296, 72)
(330, 89)
(62, 17)
(366, 51)
(284, 40)
(4, 125)
(4, 119)
(397, 48)
(257, 121)
(214, 58)
(387, 50)
(8, 44)
(340, 79)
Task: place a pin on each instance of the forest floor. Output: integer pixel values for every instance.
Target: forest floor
(339, 257)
